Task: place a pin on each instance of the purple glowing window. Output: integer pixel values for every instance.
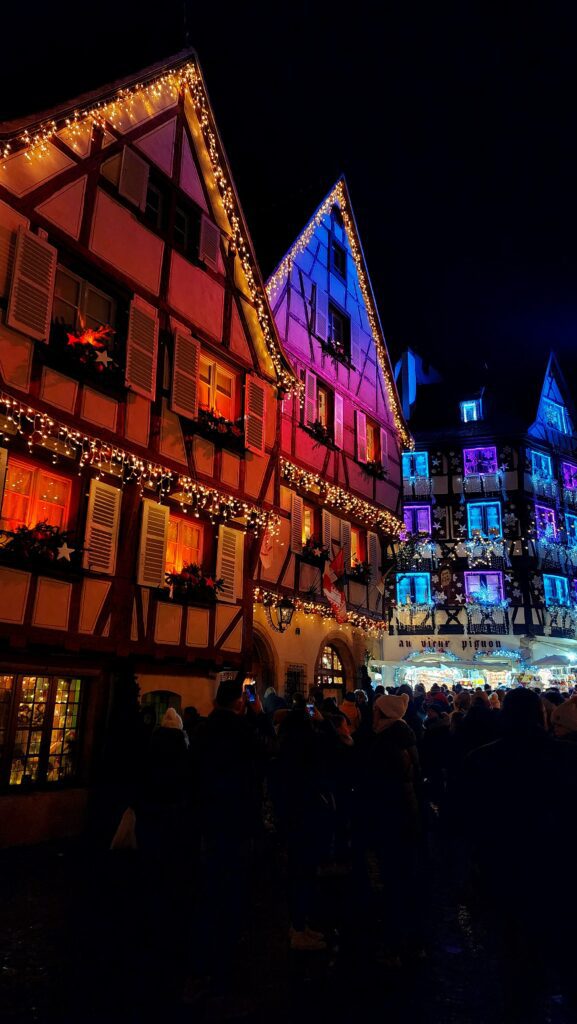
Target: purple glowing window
(417, 518)
(569, 476)
(480, 460)
(484, 587)
(545, 522)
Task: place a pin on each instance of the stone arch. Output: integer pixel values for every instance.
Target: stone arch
(338, 643)
(264, 665)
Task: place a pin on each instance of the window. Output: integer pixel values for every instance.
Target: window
(373, 442)
(545, 522)
(415, 464)
(556, 590)
(184, 544)
(216, 390)
(338, 259)
(339, 329)
(484, 587)
(33, 495)
(155, 208)
(417, 519)
(484, 517)
(325, 406)
(78, 304)
(39, 722)
(186, 230)
(569, 476)
(571, 527)
(480, 460)
(555, 415)
(471, 411)
(330, 671)
(541, 466)
(358, 545)
(413, 588)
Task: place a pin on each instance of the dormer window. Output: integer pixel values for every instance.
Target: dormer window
(555, 415)
(338, 259)
(472, 410)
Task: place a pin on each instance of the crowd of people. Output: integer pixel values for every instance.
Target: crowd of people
(360, 789)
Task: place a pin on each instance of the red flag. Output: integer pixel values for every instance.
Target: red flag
(333, 587)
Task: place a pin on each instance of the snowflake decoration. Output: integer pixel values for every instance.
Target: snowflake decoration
(516, 592)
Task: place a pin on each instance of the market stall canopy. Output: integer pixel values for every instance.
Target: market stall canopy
(556, 660)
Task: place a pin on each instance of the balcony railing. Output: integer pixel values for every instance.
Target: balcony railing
(545, 487)
(570, 496)
(417, 554)
(487, 551)
(561, 621)
(487, 618)
(417, 486)
(415, 618)
(483, 483)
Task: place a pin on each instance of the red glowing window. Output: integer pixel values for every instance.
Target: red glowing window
(34, 495)
(184, 546)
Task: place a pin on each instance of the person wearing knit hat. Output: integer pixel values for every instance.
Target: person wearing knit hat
(494, 701)
(171, 720)
(389, 709)
(564, 720)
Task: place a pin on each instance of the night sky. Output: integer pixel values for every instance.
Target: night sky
(456, 129)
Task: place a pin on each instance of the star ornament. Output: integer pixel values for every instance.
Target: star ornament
(103, 358)
(64, 552)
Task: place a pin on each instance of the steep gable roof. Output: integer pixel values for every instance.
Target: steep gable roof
(339, 196)
(46, 138)
(554, 395)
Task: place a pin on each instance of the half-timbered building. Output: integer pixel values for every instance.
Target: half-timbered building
(139, 366)
(340, 467)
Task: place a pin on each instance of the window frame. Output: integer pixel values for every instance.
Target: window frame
(415, 510)
(484, 506)
(537, 470)
(48, 727)
(233, 377)
(468, 471)
(358, 545)
(571, 528)
(407, 456)
(552, 521)
(569, 485)
(37, 470)
(345, 345)
(476, 405)
(373, 427)
(468, 576)
(547, 597)
(85, 287)
(332, 673)
(561, 409)
(340, 249)
(181, 521)
(412, 577)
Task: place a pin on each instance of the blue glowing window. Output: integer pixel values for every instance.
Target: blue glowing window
(484, 587)
(545, 522)
(479, 460)
(415, 464)
(571, 526)
(471, 411)
(413, 588)
(484, 517)
(555, 415)
(541, 466)
(556, 590)
(417, 518)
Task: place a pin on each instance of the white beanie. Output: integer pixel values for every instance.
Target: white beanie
(391, 709)
(171, 720)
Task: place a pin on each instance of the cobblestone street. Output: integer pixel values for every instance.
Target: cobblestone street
(76, 947)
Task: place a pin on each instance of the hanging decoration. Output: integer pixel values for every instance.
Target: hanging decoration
(333, 588)
(39, 429)
(364, 511)
(372, 627)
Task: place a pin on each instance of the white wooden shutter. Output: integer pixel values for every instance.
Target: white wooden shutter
(142, 349)
(3, 468)
(346, 541)
(327, 526)
(254, 413)
(229, 562)
(209, 243)
(356, 346)
(10, 221)
(32, 286)
(310, 397)
(384, 448)
(102, 523)
(185, 367)
(374, 553)
(361, 424)
(321, 314)
(153, 540)
(133, 182)
(339, 421)
(296, 524)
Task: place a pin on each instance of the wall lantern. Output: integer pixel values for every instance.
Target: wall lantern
(283, 613)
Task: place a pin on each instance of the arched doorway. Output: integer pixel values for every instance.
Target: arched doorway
(160, 701)
(334, 670)
(262, 669)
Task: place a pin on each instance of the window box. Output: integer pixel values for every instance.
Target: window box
(321, 434)
(417, 551)
(491, 550)
(221, 431)
(374, 469)
(313, 552)
(360, 572)
(93, 362)
(190, 586)
(337, 352)
(41, 549)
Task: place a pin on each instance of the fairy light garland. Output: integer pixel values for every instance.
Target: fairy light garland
(372, 627)
(42, 430)
(338, 196)
(165, 87)
(343, 501)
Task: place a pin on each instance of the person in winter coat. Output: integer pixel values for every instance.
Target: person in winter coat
(352, 711)
(272, 702)
(564, 720)
(411, 716)
(436, 748)
(162, 791)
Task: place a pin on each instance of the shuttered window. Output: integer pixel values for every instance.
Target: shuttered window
(229, 562)
(384, 448)
(142, 349)
(296, 523)
(346, 541)
(484, 517)
(326, 528)
(133, 183)
(153, 542)
(361, 432)
(255, 412)
(33, 494)
(310, 398)
(209, 243)
(374, 552)
(321, 314)
(102, 522)
(417, 518)
(32, 286)
(339, 421)
(185, 369)
(413, 588)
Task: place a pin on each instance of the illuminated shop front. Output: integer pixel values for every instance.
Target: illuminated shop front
(470, 661)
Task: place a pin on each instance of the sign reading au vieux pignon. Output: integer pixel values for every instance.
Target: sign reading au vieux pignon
(396, 647)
